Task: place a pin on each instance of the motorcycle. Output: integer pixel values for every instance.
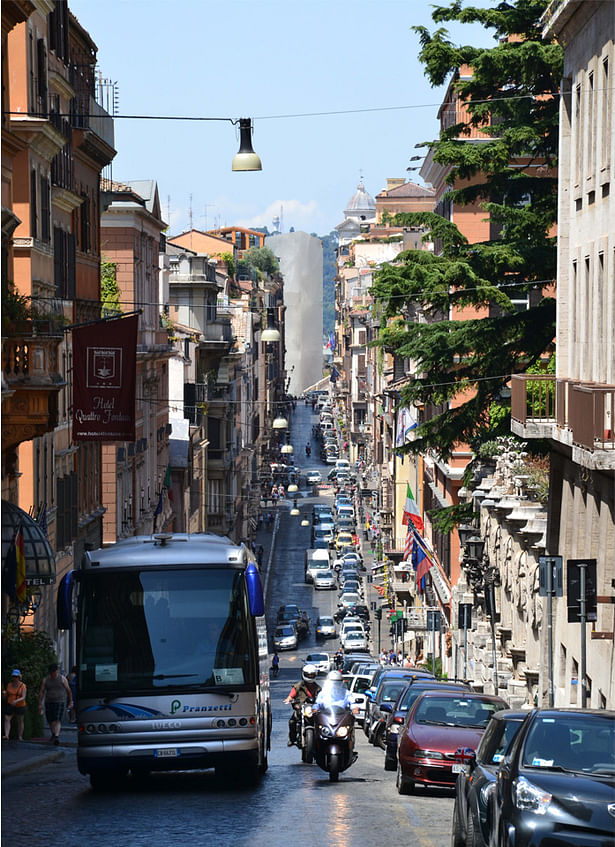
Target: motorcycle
(305, 730)
(333, 735)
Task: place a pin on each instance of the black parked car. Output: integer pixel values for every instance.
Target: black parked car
(389, 686)
(556, 784)
(476, 785)
(395, 713)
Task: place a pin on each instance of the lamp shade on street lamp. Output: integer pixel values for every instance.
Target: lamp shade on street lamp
(287, 448)
(246, 159)
(305, 522)
(295, 509)
(271, 333)
(280, 423)
(292, 488)
(475, 547)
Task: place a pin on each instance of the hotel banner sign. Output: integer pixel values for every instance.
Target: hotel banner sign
(104, 380)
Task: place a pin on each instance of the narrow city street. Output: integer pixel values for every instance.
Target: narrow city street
(54, 804)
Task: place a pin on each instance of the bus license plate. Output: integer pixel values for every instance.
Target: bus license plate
(458, 768)
(168, 753)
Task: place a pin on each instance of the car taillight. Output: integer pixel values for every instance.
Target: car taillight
(397, 719)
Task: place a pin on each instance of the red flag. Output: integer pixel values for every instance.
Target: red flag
(104, 380)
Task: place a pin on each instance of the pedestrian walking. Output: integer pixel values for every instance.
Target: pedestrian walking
(15, 704)
(54, 693)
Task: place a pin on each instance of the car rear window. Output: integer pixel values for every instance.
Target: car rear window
(456, 711)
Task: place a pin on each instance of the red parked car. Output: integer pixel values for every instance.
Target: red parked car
(441, 732)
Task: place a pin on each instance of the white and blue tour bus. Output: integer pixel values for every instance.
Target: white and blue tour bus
(173, 666)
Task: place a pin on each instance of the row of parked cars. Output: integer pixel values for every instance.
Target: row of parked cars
(522, 778)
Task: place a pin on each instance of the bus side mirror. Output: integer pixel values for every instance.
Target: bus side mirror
(256, 599)
(65, 601)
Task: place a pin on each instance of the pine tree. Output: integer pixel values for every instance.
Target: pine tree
(512, 96)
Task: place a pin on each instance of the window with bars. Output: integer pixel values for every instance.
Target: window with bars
(58, 30)
(33, 204)
(64, 270)
(45, 209)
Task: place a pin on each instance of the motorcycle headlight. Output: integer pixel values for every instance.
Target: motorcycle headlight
(530, 797)
(342, 731)
(308, 711)
(325, 732)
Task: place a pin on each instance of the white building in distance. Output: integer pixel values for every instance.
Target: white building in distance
(300, 258)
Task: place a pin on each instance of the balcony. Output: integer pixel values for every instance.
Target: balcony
(94, 133)
(217, 333)
(31, 383)
(578, 414)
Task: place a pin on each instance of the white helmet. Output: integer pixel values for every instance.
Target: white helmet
(309, 673)
(335, 676)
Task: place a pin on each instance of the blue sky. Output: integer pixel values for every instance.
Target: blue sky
(268, 60)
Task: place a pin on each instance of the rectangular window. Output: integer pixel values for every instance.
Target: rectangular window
(589, 122)
(41, 77)
(606, 115)
(64, 263)
(33, 204)
(84, 220)
(45, 209)
(577, 135)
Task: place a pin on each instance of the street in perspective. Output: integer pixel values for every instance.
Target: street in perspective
(293, 796)
(308, 442)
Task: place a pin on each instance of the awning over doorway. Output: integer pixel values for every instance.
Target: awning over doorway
(40, 559)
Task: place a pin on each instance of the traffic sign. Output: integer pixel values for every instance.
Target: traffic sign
(573, 589)
(557, 576)
(433, 619)
(465, 616)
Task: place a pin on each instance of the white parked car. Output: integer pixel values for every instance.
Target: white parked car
(355, 641)
(349, 599)
(325, 579)
(357, 685)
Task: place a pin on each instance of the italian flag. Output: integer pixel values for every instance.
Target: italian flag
(411, 511)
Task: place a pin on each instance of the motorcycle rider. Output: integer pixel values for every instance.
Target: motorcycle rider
(305, 690)
(335, 693)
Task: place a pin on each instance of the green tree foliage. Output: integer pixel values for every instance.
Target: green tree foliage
(261, 258)
(109, 289)
(512, 96)
(32, 654)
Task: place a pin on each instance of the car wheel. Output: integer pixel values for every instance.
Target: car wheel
(404, 785)
(474, 836)
(457, 839)
(379, 738)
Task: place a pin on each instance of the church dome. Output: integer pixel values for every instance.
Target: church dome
(361, 205)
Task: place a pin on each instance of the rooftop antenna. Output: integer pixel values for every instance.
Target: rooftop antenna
(190, 219)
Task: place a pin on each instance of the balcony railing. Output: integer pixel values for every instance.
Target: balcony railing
(585, 410)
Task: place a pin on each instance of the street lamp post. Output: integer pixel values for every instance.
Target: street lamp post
(482, 575)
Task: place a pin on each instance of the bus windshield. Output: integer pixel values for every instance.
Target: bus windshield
(151, 630)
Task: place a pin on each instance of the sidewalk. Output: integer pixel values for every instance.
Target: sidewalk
(21, 756)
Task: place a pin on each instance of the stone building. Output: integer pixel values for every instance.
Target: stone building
(575, 409)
